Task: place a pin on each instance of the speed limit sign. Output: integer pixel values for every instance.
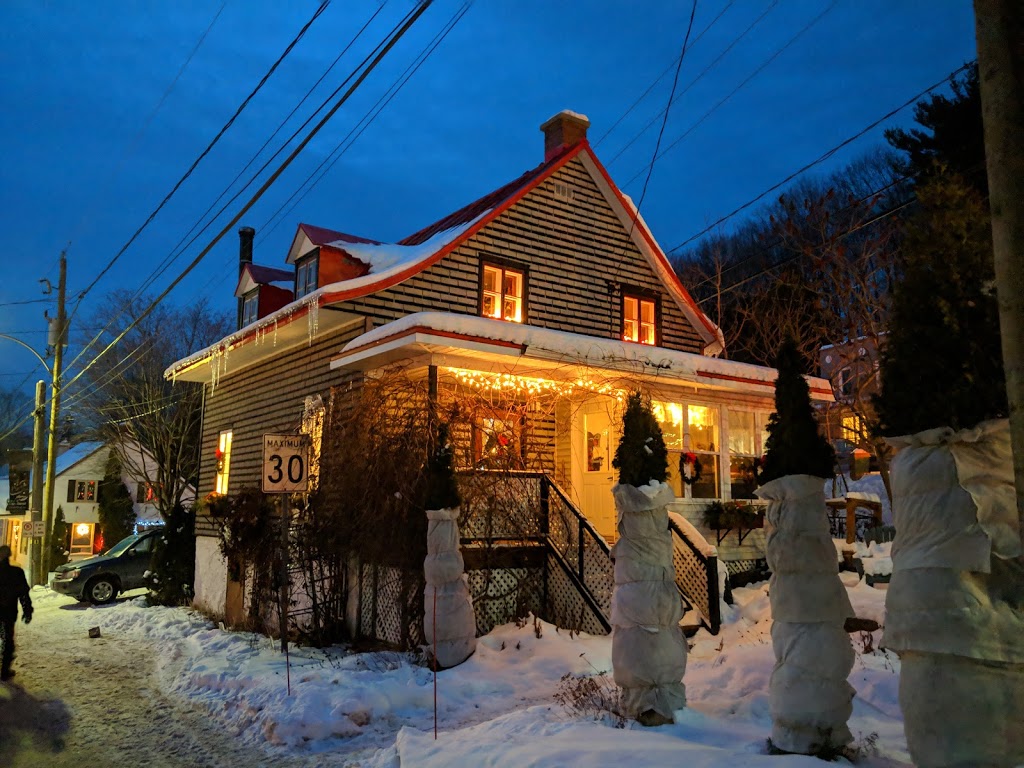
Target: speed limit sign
(285, 463)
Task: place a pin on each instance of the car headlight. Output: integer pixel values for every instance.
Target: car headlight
(70, 575)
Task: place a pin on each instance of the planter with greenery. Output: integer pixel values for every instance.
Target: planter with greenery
(725, 516)
(648, 647)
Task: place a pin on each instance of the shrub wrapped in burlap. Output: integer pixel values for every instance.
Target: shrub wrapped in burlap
(810, 698)
(648, 646)
(955, 604)
(451, 616)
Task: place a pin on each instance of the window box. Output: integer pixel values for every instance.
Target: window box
(726, 516)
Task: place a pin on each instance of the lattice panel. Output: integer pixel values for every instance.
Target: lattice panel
(390, 611)
(566, 607)
(598, 573)
(502, 595)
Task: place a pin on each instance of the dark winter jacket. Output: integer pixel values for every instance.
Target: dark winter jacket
(13, 589)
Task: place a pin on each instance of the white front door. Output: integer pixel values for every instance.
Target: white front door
(598, 438)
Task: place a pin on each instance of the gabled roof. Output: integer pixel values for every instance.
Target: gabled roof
(74, 455)
(254, 275)
(392, 263)
(308, 237)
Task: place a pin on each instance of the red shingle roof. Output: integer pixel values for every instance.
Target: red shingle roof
(266, 275)
(323, 236)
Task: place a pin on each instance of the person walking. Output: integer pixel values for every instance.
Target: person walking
(13, 589)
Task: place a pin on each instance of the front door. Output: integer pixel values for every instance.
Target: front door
(599, 437)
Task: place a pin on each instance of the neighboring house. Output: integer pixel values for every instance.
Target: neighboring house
(551, 283)
(79, 471)
(853, 370)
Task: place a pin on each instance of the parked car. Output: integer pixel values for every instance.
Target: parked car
(99, 579)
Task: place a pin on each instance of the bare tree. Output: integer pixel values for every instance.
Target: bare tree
(152, 424)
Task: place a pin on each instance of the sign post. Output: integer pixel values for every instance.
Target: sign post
(285, 471)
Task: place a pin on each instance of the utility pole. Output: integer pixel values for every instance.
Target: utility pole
(36, 504)
(999, 30)
(51, 448)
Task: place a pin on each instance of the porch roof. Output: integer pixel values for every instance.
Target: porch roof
(480, 343)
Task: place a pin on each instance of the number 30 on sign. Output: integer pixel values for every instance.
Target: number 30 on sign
(285, 463)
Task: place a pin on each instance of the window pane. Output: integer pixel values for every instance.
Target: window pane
(491, 277)
(742, 433)
(629, 309)
(742, 478)
(670, 419)
(646, 333)
(490, 305)
(703, 421)
(513, 284)
(597, 426)
(630, 331)
(707, 486)
(647, 311)
(512, 310)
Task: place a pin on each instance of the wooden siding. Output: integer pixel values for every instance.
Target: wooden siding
(579, 260)
(266, 397)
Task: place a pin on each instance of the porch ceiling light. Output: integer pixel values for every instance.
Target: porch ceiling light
(82, 529)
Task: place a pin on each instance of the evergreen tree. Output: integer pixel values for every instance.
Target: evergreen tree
(641, 456)
(59, 540)
(441, 489)
(942, 363)
(116, 509)
(795, 446)
(173, 567)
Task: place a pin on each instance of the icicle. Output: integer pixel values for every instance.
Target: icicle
(275, 332)
(312, 318)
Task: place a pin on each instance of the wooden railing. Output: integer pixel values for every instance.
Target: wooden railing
(696, 575)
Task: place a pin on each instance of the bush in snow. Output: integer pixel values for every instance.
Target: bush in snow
(59, 540)
(641, 456)
(173, 568)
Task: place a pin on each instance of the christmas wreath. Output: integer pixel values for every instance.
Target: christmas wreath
(689, 468)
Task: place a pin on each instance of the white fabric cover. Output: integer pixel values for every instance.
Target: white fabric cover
(809, 696)
(955, 604)
(648, 646)
(443, 569)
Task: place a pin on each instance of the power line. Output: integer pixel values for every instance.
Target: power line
(411, 18)
(660, 77)
(700, 76)
(350, 139)
(735, 90)
(29, 301)
(209, 147)
(825, 156)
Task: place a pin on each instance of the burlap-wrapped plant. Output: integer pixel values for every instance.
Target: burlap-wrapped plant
(810, 698)
(955, 605)
(449, 623)
(648, 646)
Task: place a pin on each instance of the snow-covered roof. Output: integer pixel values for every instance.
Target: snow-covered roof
(254, 275)
(74, 455)
(392, 263)
(475, 334)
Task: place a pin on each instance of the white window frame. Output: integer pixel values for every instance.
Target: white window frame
(634, 327)
(251, 307)
(306, 275)
(500, 297)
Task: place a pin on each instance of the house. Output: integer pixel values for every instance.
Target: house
(551, 290)
(79, 470)
(852, 367)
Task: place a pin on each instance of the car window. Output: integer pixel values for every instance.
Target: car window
(122, 545)
(145, 545)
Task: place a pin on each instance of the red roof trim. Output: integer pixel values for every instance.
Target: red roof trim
(658, 253)
(432, 332)
(354, 293)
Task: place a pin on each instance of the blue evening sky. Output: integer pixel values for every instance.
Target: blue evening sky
(91, 144)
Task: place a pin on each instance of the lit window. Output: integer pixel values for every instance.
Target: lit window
(85, 490)
(223, 462)
(250, 307)
(853, 430)
(746, 444)
(496, 444)
(306, 276)
(638, 320)
(81, 539)
(146, 494)
(502, 296)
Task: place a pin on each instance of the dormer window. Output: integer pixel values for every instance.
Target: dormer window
(639, 319)
(251, 307)
(502, 293)
(306, 275)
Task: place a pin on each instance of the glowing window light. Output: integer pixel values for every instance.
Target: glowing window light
(82, 529)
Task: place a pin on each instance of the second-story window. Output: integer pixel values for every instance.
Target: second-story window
(306, 276)
(223, 456)
(638, 320)
(502, 294)
(250, 307)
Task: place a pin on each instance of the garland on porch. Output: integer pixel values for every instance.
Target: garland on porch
(689, 467)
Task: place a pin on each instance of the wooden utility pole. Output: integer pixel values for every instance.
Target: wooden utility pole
(999, 28)
(51, 446)
(36, 503)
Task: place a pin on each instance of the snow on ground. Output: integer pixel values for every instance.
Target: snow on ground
(498, 708)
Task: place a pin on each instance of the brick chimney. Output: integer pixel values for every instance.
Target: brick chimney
(564, 130)
(245, 238)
